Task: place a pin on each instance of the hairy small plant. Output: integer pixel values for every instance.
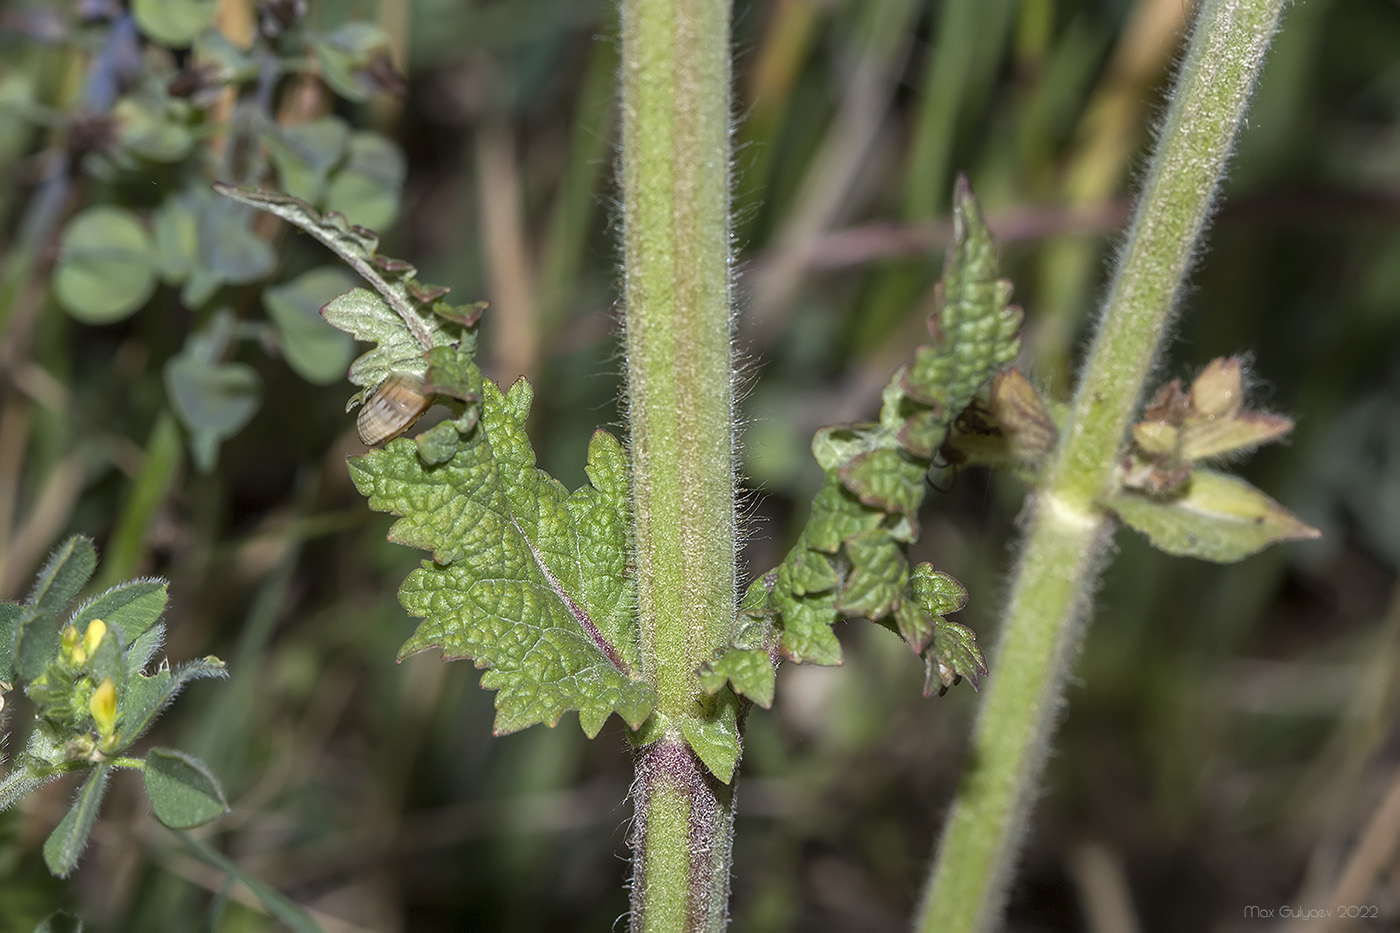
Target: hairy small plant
(84, 669)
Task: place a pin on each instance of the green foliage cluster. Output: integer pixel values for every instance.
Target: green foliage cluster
(160, 130)
(536, 583)
(84, 669)
(850, 559)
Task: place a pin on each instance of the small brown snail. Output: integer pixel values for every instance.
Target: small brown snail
(399, 401)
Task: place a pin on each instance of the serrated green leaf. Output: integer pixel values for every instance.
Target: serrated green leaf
(886, 480)
(68, 840)
(807, 622)
(153, 129)
(402, 343)
(366, 189)
(312, 346)
(936, 592)
(1218, 518)
(837, 515)
(183, 791)
(879, 576)
(106, 265)
(714, 736)
(806, 571)
(912, 624)
(173, 23)
(438, 444)
(954, 654)
(975, 327)
(532, 582)
(876, 472)
(834, 445)
(749, 671)
(452, 372)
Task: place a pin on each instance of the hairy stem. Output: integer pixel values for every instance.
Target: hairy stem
(1068, 530)
(675, 176)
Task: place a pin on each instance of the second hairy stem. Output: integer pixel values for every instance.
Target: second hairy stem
(675, 177)
(1068, 530)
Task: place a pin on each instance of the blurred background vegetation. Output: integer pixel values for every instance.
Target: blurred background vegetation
(1231, 738)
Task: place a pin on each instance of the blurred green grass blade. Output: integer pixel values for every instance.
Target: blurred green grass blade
(276, 903)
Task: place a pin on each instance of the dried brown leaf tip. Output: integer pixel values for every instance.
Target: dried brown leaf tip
(1181, 428)
(1011, 428)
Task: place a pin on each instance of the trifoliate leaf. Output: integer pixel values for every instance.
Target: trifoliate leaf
(213, 401)
(175, 228)
(1218, 518)
(347, 57)
(529, 580)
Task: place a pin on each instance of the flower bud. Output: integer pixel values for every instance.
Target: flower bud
(1219, 390)
(103, 706)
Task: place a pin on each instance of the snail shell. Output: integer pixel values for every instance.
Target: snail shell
(399, 401)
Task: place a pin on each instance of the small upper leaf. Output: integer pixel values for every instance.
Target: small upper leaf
(1218, 518)
(850, 559)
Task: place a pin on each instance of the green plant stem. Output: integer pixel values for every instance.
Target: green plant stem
(1068, 531)
(164, 453)
(675, 181)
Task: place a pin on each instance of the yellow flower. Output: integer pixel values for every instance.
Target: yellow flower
(103, 706)
(96, 631)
